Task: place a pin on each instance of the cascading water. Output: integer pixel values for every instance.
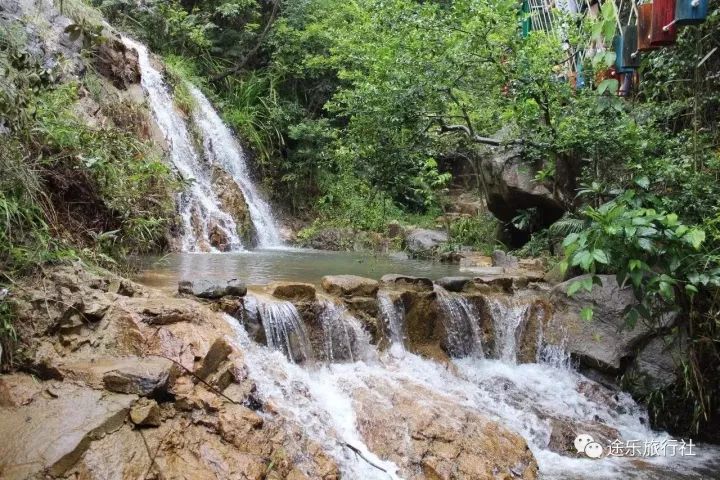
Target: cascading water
(531, 399)
(318, 400)
(392, 312)
(343, 336)
(462, 324)
(508, 315)
(199, 207)
(221, 148)
(284, 329)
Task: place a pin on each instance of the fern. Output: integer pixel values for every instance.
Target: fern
(566, 226)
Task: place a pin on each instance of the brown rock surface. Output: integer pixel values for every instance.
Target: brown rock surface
(350, 285)
(429, 437)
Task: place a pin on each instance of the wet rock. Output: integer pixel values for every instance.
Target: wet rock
(504, 260)
(453, 284)
(218, 354)
(605, 341)
(406, 282)
(143, 377)
(424, 243)
(656, 365)
(498, 283)
(292, 291)
(51, 433)
(474, 260)
(233, 202)
(350, 285)
(565, 430)
(218, 238)
(210, 290)
(116, 62)
(145, 413)
(430, 437)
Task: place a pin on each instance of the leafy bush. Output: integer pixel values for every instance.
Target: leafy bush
(478, 232)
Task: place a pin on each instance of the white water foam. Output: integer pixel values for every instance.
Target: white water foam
(221, 148)
(199, 199)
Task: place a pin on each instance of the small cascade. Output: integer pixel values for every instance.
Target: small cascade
(555, 355)
(462, 324)
(205, 225)
(343, 336)
(392, 312)
(327, 402)
(221, 148)
(318, 400)
(285, 330)
(508, 316)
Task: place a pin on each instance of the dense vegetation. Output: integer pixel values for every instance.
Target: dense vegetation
(354, 110)
(351, 106)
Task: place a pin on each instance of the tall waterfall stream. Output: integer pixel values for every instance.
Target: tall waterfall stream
(200, 208)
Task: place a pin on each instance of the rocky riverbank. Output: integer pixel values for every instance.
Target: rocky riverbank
(115, 380)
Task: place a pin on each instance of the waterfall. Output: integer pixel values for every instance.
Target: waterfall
(285, 330)
(206, 226)
(343, 336)
(526, 398)
(462, 324)
(221, 148)
(199, 207)
(319, 401)
(508, 316)
(392, 312)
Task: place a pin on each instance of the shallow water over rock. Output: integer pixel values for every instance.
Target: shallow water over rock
(265, 266)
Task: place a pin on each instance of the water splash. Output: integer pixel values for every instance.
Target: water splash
(320, 401)
(462, 324)
(199, 207)
(343, 336)
(392, 313)
(508, 316)
(285, 330)
(221, 148)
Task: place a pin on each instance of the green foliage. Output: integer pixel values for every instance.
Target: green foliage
(477, 232)
(68, 187)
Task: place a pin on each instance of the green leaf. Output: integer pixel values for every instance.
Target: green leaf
(586, 314)
(695, 237)
(691, 290)
(666, 291)
(608, 84)
(573, 288)
(600, 256)
(643, 182)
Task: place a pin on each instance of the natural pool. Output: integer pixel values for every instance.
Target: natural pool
(259, 267)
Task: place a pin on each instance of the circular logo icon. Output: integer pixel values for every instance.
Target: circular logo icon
(594, 450)
(581, 441)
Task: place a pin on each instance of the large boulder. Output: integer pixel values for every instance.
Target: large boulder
(510, 183)
(350, 285)
(605, 342)
(54, 430)
(429, 437)
(421, 242)
(656, 365)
